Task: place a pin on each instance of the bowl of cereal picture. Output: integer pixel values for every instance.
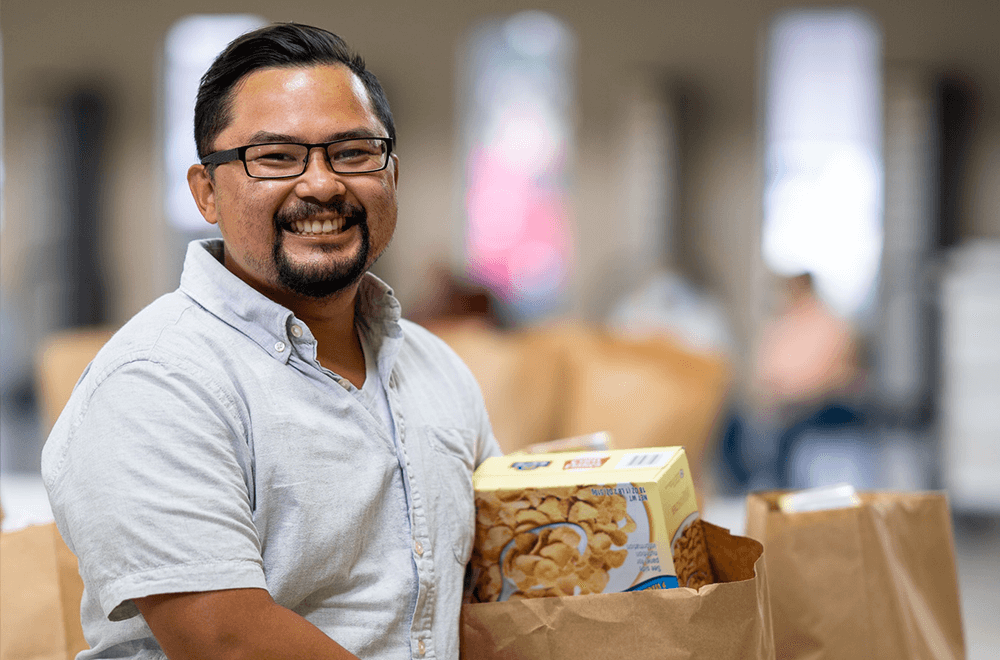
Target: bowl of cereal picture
(562, 542)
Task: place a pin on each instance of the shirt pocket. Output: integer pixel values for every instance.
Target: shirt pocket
(450, 470)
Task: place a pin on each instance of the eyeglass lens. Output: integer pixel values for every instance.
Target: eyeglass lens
(347, 157)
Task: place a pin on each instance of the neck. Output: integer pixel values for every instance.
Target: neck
(331, 320)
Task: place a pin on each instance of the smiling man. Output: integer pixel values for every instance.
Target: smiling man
(269, 462)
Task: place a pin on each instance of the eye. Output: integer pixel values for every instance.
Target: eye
(275, 154)
(347, 154)
(354, 153)
(356, 150)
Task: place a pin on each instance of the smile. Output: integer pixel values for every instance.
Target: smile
(315, 227)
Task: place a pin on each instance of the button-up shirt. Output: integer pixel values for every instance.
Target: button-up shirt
(206, 448)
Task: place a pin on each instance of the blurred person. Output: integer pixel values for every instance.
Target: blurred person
(807, 356)
(270, 462)
(808, 373)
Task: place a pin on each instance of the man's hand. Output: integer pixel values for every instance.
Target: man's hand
(236, 624)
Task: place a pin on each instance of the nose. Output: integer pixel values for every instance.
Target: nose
(319, 182)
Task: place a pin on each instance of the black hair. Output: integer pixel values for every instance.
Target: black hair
(278, 45)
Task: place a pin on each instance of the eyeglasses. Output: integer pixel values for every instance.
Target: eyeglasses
(282, 160)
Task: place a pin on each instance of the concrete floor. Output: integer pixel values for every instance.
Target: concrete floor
(977, 547)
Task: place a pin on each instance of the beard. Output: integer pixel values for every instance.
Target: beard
(321, 280)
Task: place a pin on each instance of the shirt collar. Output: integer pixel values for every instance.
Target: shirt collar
(210, 284)
(377, 315)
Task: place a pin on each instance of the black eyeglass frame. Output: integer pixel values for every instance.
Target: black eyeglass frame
(240, 154)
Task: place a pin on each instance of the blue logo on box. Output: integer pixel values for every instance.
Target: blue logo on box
(661, 582)
(529, 465)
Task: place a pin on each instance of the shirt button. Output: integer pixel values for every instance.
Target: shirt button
(421, 647)
(346, 384)
(279, 346)
(418, 547)
(296, 331)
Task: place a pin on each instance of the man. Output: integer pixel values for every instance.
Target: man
(269, 462)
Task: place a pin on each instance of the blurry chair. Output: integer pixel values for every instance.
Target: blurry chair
(834, 445)
(60, 362)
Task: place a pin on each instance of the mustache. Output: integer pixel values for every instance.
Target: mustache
(305, 210)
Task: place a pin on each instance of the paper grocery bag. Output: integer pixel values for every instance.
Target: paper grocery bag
(875, 581)
(40, 593)
(727, 620)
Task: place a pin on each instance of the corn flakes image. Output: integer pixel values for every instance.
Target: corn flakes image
(551, 542)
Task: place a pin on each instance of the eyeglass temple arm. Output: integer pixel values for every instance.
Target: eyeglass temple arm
(220, 157)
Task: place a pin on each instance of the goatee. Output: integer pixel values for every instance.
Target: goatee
(321, 280)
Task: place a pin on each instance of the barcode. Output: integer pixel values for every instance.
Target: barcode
(642, 460)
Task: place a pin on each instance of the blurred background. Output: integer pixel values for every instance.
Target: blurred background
(775, 225)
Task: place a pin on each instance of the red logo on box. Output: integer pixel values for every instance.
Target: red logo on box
(585, 462)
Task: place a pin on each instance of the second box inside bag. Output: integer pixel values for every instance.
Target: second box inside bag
(576, 523)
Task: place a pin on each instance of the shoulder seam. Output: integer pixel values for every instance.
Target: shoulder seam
(140, 356)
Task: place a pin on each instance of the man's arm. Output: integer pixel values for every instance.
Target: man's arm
(236, 624)
(152, 496)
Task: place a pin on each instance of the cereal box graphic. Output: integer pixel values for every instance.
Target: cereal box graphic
(571, 523)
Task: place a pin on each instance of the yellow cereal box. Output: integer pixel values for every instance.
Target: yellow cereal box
(571, 523)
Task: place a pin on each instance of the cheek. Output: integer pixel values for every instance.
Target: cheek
(249, 211)
(387, 203)
(382, 216)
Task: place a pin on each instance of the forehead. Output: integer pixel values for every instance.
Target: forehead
(304, 102)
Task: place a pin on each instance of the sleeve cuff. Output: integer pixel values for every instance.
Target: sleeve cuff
(116, 597)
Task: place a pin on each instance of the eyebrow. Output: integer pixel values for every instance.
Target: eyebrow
(264, 137)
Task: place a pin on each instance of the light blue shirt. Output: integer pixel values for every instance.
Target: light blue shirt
(206, 448)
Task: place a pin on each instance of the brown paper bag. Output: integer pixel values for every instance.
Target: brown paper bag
(521, 377)
(729, 619)
(40, 593)
(876, 581)
(567, 380)
(642, 392)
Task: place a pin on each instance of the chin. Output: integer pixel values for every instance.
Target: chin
(315, 280)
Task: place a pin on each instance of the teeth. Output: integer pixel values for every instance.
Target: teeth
(327, 226)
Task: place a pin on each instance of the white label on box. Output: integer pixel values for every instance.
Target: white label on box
(643, 460)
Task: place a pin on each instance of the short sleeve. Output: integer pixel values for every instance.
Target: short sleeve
(487, 445)
(153, 487)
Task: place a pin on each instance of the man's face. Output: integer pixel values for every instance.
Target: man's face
(315, 234)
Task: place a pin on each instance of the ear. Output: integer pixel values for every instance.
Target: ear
(395, 169)
(203, 190)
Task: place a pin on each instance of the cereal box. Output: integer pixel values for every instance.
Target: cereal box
(571, 523)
